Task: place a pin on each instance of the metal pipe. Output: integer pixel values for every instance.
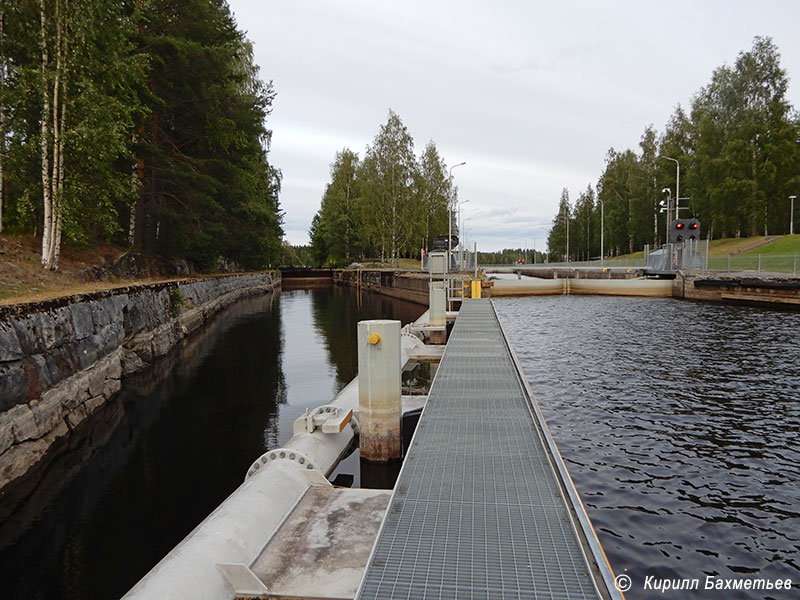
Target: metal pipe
(677, 184)
(602, 230)
(450, 214)
(239, 527)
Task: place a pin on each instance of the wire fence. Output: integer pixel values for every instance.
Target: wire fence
(691, 256)
(761, 264)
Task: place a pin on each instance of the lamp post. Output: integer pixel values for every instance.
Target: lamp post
(461, 243)
(602, 231)
(668, 192)
(566, 220)
(460, 225)
(791, 218)
(677, 184)
(450, 215)
(458, 218)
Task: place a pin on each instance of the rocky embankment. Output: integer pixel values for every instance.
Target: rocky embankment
(63, 359)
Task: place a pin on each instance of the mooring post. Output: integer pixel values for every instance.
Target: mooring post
(380, 411)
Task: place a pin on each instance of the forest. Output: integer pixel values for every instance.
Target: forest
(388, 205)
(138, 122)
(738, 150)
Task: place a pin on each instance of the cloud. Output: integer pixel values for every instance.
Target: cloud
(531, 95)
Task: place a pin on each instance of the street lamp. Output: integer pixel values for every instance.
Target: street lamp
(450, 215)
(566, 219)
(458, 217)
(461, 243)
(602, 231)
(791, 218)
(677, 184)
(668, 192)
(460, 224)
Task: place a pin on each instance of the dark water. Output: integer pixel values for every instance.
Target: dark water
(680, 426)
(177, 441)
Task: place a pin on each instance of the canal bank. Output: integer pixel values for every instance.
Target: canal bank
(742, 288)
(724, 288)
(179, 438)
(404, 285)
(63, 359)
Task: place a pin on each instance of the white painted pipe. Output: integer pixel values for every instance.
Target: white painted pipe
(234, 533)
(379, 397)
(240, 527)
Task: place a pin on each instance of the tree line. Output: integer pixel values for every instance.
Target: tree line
(509, 256)
(140, 122)
(738, 149)
(387, 205)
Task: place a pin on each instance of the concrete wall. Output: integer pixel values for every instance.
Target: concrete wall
(63, 359)
(742, 289)
(406, 286)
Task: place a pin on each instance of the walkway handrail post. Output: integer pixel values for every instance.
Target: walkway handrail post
(379, 397)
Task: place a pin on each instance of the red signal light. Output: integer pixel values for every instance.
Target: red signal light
(678, 225)
(693, 226)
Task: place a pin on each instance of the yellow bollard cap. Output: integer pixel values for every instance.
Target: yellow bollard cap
(374, 338)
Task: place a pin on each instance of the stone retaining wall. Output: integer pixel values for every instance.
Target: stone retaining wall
(61, 360)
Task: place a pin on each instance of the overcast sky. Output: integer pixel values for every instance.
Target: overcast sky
(530, 94)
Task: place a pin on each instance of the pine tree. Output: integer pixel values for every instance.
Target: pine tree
(206, 189)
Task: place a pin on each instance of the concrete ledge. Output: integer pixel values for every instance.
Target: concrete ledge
(322, 548)
(411, 286)
(602, 287)
(781, 293)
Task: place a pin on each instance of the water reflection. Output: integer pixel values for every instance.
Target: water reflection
(177, 441)
(678, 422)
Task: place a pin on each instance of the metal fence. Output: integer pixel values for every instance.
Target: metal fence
(461, 260)
(778, 265)
(690, 256)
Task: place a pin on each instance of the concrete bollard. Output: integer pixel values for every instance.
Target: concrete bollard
(438, 303)
(379, 405)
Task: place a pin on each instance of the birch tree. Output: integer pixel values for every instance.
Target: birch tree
(389, 171)
(53, 89)
(3, 131)
(433, 190)
(88, 74)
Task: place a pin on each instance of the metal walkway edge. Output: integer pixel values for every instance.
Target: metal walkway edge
(483, 507)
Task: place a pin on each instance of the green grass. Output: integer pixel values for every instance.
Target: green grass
(726, 246)
(787, 244)
(779, 255)
(626, 257)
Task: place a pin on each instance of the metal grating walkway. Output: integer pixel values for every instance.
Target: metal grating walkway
(477, 511)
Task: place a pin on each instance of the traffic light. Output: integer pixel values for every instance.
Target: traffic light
(682, 230)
